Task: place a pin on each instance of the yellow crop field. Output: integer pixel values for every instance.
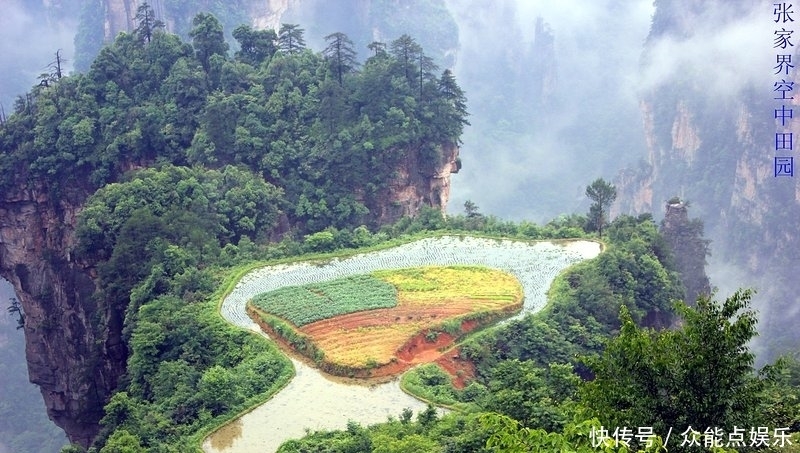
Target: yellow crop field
(433, 285)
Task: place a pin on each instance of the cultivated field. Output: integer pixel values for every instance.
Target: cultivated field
(433, 306)
(305, 304)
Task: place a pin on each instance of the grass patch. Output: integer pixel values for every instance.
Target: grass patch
(423, 285)
(432, 384)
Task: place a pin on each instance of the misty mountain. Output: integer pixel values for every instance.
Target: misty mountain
(707, 79)
(31, 32)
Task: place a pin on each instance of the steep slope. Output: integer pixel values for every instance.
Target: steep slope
(708, 108)
(75, 364)
(24, 425)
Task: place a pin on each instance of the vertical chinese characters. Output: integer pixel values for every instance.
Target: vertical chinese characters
(782, 89)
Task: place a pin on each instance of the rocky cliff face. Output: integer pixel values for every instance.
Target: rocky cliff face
(713, 150)
(716, 148)
(416, 184)
(75, 362)
(119, 15)
(689, 248)
(267, 13)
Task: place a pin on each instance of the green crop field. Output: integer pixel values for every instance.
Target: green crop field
(305, 304)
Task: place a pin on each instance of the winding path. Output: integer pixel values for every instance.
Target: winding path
(311, 401)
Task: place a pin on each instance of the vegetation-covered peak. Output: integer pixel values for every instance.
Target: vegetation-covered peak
(328, 131)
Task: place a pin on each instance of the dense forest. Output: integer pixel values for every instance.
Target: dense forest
(194, 164)
(291, 115)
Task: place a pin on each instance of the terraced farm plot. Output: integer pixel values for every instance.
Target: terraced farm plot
(429, 304)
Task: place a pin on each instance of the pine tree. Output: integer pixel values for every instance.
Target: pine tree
(602, 194)
(290, 38)
(146, 23)
(456, 102)
(340, 54)
(405, 49)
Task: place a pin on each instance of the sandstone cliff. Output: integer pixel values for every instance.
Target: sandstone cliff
(417, 184)
(119, 15)
(73, 347)
(714, 145)
(714, 150)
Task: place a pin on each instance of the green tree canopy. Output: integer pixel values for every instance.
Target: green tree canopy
(290, 38)
(602, 195)
(255, 46)
(207, 38)
(700, 375)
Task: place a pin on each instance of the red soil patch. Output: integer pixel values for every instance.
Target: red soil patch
(419, 350)
(381, 317)
(461, 370)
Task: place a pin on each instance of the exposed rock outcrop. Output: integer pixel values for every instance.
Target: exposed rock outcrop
(267, 13)
(689, 248)
(119, 15)
(418, 181)
(73, 347)
(717, 150)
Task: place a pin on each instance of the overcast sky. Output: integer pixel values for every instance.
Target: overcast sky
(28, 44)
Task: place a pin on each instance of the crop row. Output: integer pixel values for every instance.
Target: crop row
(312, 302)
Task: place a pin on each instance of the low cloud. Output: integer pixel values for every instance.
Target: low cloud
(721, 60)
(28, 43)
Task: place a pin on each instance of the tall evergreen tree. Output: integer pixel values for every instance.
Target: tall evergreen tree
(602, 194)
(455, 99)
(426, 69)
(405, 49)
(146, 23)
(340, 54)
(290, 38)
